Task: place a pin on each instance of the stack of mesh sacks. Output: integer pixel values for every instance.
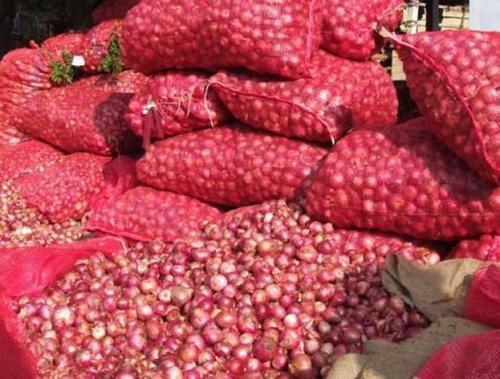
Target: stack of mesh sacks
(243, 105)
(235, 113)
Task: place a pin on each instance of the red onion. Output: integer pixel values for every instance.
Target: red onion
(242, 302)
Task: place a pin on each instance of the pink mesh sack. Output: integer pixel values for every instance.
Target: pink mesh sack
(144, 214)
(403, 180)
(97, 47)
(349, 26)
(71, 43)
(174, 103)
(38, 268)
(18, 158)
(22, 73)
(128, 82)
(475, 356)
(230, 165)
(111, 9)
(483, 298)
(341, 94)
(96, 125)
(273, 37)
(75, 184)
(486, 248)
(453, 78)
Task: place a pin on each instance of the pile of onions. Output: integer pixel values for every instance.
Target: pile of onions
(260, 297)
(22, 225)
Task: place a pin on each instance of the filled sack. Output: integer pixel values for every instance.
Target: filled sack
(454, 78)
(230, 165)
(97, 125)
(350, 26)
(71, 186)
(144, 214)
(486, 248)
(341, 94)
(264, 36)
(403, 180)
(175, 102)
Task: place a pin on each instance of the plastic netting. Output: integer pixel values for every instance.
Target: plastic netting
(265, 36)
(403, 180)
(341, 94)
(453, 78)
(230, 165)
(145, 214)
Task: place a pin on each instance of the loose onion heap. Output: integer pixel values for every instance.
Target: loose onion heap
(22, 225)
(266, 295)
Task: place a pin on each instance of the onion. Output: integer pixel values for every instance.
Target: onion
(248, 305)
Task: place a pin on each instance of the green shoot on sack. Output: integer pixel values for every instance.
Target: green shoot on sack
(62, 72)
(112, 63)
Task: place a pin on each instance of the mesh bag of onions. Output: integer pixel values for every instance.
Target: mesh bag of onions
(71, 43)
(25, 71)
(341, 94)
(175, 102)
(474, 356)
(230, 165)
(97, 125)
(264, 36)
(144, 214)
(486, 248)
(16, 159)
(29, 276)
(22, 73)
(349, 26)
(112, 9)
(403, 180)
(98, 45)
(71, 186)
(263, 295)
(453, 78)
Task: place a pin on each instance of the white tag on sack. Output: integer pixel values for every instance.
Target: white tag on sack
(78, 61)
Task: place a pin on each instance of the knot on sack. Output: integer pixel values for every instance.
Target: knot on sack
(150, 105)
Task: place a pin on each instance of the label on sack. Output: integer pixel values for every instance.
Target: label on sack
(78, 61)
